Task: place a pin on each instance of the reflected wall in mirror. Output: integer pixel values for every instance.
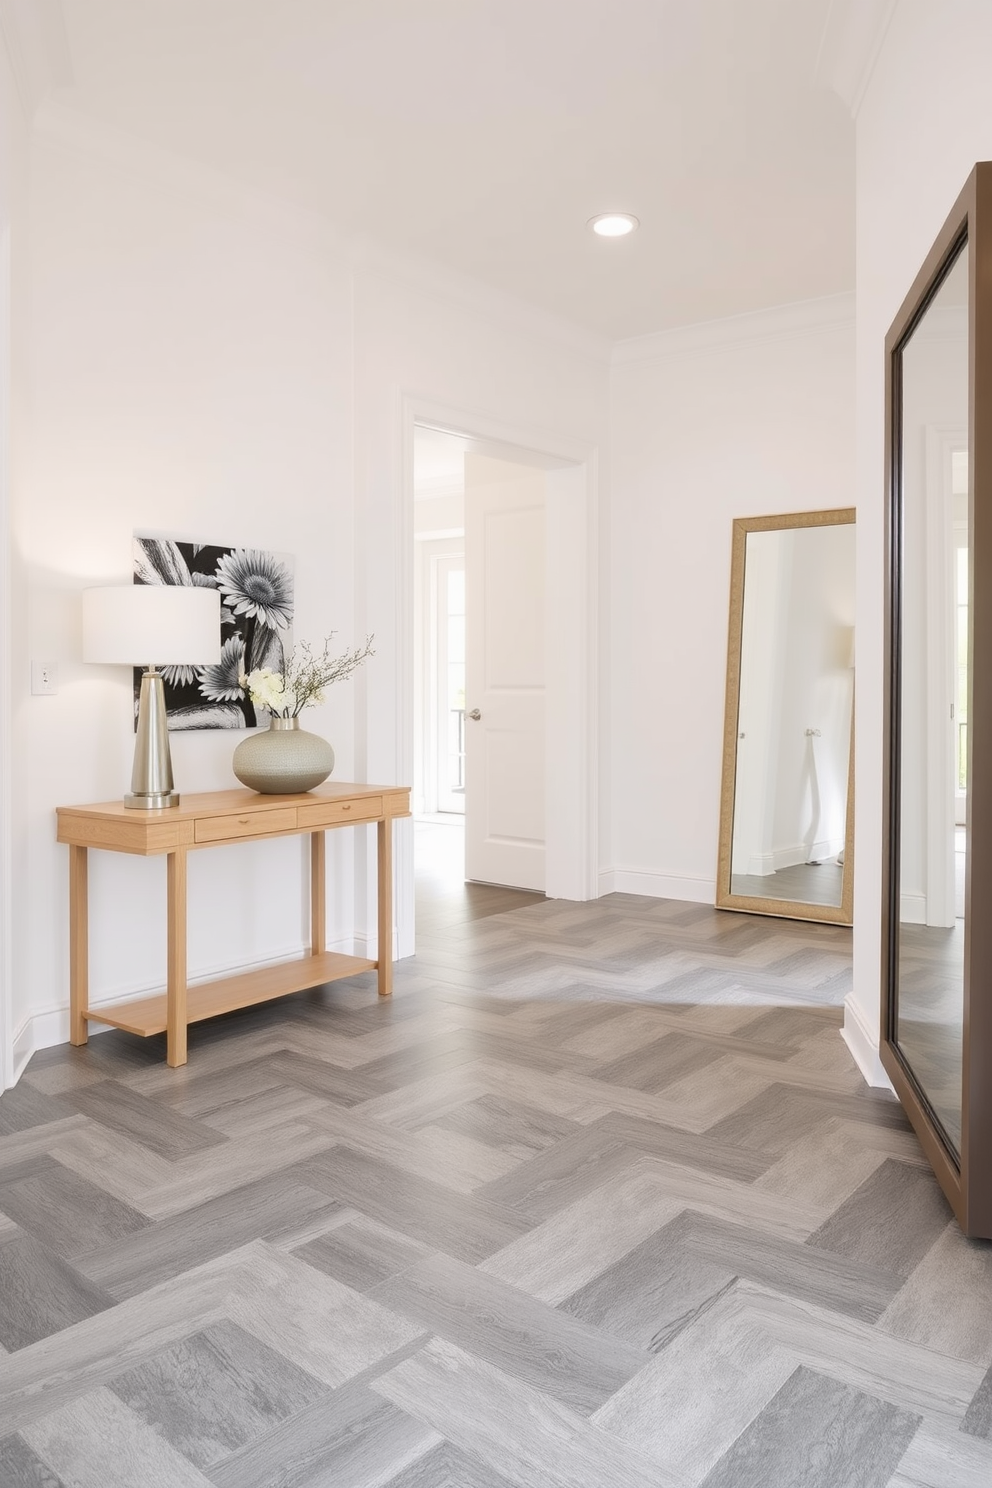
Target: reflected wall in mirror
(936, 1043)
(787, 799)
(933, 731)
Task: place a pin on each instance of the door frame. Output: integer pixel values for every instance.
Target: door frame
(571, 600)
(432, 553)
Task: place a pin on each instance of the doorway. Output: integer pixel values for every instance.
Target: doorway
(572, 722)
(480, 761)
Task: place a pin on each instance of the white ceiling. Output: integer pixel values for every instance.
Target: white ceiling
(482, 134)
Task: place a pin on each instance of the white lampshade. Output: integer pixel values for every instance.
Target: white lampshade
(151, 625)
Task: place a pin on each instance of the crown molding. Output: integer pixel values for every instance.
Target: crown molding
(58, 123)
(481, 300)
(37, 46)
(779, 323)
(852, 39)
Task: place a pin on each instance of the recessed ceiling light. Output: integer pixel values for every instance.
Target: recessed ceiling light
(613, 224)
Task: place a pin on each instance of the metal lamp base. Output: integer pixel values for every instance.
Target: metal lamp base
(152, 801)
(151, 778)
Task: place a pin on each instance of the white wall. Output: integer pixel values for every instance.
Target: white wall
(935, 407)
(203, 364)
(14, 260)
(925, 119)
(454, 358)
(189, 372)
(733, 419)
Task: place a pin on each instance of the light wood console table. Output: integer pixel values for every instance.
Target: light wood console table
(216, 819)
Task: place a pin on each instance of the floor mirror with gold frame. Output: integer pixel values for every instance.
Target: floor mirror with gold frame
(787, 801)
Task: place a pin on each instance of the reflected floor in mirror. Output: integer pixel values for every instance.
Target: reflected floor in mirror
(931, 1015)
(803, 883)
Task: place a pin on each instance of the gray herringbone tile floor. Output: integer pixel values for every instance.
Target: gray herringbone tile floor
(598, 1201)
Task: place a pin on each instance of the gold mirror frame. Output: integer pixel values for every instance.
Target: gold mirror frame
(843, 913)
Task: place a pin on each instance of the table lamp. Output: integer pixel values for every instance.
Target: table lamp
(132, 623)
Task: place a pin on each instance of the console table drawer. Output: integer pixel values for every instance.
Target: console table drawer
(335, 813)
(245, 824)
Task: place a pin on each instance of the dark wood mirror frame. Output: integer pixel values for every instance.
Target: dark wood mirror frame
(967, 1183)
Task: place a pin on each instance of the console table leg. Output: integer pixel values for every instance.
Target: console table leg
(385, 896)
(318, 893)
(176, 991)
(79, 997)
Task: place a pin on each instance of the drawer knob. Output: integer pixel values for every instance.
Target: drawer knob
(346, 808)
(243, 821)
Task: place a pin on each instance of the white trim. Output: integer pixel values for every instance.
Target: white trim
(23, 1046)
(777, 323)
(50, 1026)
(912, 909)
(657, 885)
(58, 123)
(852, 40)
(574, 804)
(824, 850)
(528, 443)
(471, 295)
(763, 865)
(72, 129)
(37, 48)
(863, 1045)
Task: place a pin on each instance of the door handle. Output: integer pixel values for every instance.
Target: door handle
(475, 715)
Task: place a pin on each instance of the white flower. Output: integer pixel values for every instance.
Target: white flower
(268, 690)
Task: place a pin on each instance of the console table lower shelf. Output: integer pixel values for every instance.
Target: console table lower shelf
(147, 1015)
(217, 819)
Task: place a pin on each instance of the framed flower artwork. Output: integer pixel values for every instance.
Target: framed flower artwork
(256, 617)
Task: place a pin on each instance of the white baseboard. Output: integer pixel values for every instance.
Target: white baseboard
(368, 946)
(657, 885)
(913, 909)
(763, 864)
(24, 1047)
(45, 1029)
(824, 852)
(863, 1044)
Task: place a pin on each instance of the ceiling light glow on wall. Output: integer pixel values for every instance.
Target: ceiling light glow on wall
(613, 224)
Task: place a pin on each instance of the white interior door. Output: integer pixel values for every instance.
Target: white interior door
(505, 673)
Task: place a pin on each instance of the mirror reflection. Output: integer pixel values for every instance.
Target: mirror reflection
(933, 651)
(794, 716)
(786, 810)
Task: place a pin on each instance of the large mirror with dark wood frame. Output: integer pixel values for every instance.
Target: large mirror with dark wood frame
(787, 801)
(937, 937)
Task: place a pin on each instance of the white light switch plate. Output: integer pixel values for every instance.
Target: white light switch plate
(44, 678)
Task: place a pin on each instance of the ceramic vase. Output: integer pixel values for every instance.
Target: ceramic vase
(283, 759)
